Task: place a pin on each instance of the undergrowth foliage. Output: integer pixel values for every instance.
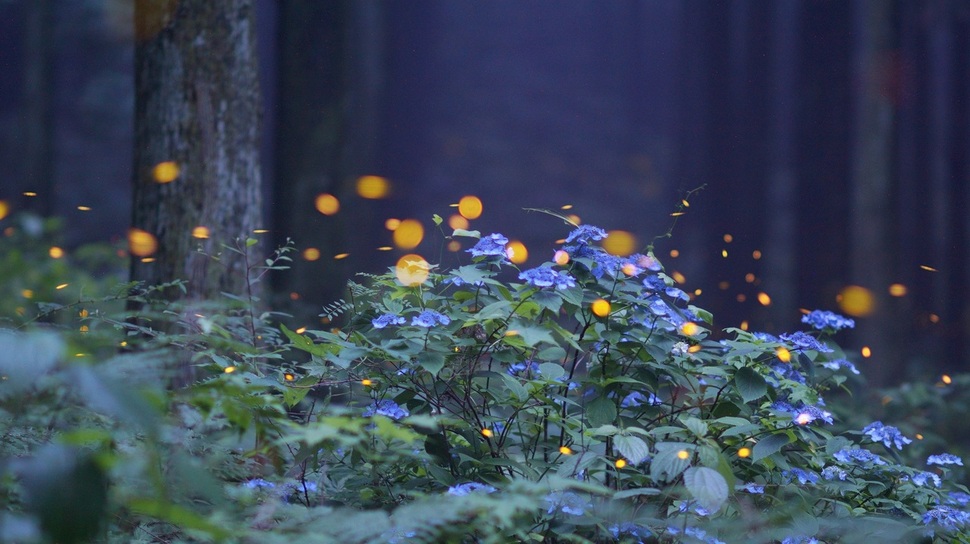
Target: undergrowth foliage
(583, 400)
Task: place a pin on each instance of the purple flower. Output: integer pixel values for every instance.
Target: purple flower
(832, 472)
(566, 502)
(461, 490)
(753, 488)
(585, 234)
(958, 497)
(630, 529)
(802, 342)
(387, 408)
(920, 478)
(386, 320)
(803, 476)
(430, 318)
(800, 540)
(804, 414)
(841, 363)
(637, 398)
(545, 276)
(765, 337)
(259, 483)
(947, 516)
(857, 456)
(528, 367)
(886, 434)
(492, 245)
(944, 459)
(823, 319)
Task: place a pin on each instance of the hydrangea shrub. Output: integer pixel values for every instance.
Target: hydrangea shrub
(592, 385)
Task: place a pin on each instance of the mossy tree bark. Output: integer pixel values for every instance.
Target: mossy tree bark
(197, 104)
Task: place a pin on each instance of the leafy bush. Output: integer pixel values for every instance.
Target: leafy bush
(584, 400)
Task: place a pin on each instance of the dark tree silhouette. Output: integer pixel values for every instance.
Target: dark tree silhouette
(197, 106)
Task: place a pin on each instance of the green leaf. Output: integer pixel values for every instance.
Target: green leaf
(632, 448)
(303, 343)
(601, 411)
(554, 353)
(437, 220)
(551, 371)
(574, 464)
(707, 486)
(751, 385)
(467, 233)
(636, 492)
(293, 395)
(432, 361)
(696, 426)
(250, 242)
(605, 430)
(667, 464)
(176, 515)
(768, 446)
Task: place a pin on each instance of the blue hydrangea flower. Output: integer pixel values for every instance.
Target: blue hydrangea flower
(630, 529)
(585, 234)
(461, 490)
(752, 488)
(841, 363)
(545, 276)
(857, 456)
(920, 478)
(823, 319)
(458, 282)
(692, 506)
(958, 497)
(802, 341)
(566, 502)
(765, 337)
(944, 459)
(654, 284)
(646, 262)
(886, 434)
(528, 367)
(803, 476)
(492, 245)
(386, 320)
(947, 516)
(387, 408)
(637, 398)
(677, 294)
(695, 532)
(259, 483)
(430, 318)
(833, 472)
(800, 540)
(786, 371)
(804, 414)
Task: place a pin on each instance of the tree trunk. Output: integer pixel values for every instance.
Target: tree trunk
(196, 105)
(38, 128)
(871, 176)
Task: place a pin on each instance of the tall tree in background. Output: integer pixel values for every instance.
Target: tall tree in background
(196, 111)
(331, 70)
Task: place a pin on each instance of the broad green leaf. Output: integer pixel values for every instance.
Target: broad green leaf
(302, 342)
(605, 430)
(696, 426)
(636, 492)
(437, 219)
(707, 486)
(551, 371)
(668, 463)
(601, 411)
(751, 385)
(574, 464)
(467, 233)
(632, 448)
(432, 361)
(554, 353)
(768, 445)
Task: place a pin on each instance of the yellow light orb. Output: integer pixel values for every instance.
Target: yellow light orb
(392, 224)
(229, 369)
(803, 418)
(487, 433)
(166, 172)
(56, 252)
(470, 207)
(289, 377)
(856, 301)
(408, 234)
(946, 379)
(619, 242)
(4, 209)
(674, 253)
(412, 270)
(340, 256)
(457, 222)
(200, 232)
(516, 252)
(744, 452)
(366, 382)
(756, 254)
(764, 299)
(454, 246)
(783, 354)
(866, 352)
(561, 258)
(689, 328)
(311, 254)
(141, 243)
(565, 450)
(898, 290)
(373, 187)
(678, 277)
(600, 307)
(683, 455)
(620, 463)
(327, 204)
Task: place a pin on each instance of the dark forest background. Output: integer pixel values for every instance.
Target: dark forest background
(833, 138)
